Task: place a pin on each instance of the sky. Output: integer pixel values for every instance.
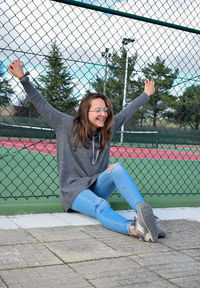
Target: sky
(28, 28)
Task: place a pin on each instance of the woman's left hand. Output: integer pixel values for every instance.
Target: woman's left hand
(149, 87)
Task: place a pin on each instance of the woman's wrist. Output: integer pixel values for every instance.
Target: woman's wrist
(148, 94)
(22, 76)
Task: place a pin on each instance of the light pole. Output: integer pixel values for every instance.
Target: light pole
(125, 41)
(106, 55)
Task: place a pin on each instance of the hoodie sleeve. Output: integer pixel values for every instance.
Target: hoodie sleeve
(128, 111)
(50, 115)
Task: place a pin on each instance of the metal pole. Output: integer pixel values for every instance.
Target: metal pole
(125, 42)
(124, 97)
(106, 55)
(104, 86)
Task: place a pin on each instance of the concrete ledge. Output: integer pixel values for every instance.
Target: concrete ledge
(77, 219)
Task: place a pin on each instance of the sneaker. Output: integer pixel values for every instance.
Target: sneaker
(145, 225)
(161, 230)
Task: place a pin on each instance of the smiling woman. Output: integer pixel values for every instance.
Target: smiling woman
(83, 147)
(93, 114)
(100, 111)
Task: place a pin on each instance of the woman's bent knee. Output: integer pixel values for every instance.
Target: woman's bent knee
(116, 167)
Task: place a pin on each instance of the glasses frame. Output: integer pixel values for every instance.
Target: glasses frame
(98, 110)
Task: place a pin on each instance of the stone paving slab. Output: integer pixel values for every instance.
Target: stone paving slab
(192, 281)
(194, 253)
(2, 285)
(123, 244)
(116, 241)
(60, 276)
(26, 255)
(170, 264)
(82, 250)
(92, 256)
(12, 237)
(55, 234)
(121, 272)
(101, 233)
(182, 234)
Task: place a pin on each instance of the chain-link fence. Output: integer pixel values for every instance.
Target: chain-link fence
(72, 47)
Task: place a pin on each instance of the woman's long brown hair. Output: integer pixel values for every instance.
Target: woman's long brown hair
(82, 128)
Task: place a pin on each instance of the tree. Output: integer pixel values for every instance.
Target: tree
(188, 108)
(57, 86)
(164, 78)
(6, 90)
(115, 79)
(26, 109)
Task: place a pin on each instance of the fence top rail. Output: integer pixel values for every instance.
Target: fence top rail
(139, 132)
(129, 15)
(25, 126)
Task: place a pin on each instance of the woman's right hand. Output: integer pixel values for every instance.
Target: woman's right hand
(16, 69)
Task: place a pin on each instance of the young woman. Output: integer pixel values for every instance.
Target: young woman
(86, 180)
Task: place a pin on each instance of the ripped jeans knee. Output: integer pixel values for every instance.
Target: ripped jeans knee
(117, 165)
(116, 176)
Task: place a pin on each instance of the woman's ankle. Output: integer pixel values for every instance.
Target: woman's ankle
(132, 231)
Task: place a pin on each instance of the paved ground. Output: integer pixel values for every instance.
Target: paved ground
(90, 256)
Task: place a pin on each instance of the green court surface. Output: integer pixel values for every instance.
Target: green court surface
(32, 180)
(160, 186)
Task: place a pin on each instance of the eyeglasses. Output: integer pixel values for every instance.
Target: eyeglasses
(99, 110)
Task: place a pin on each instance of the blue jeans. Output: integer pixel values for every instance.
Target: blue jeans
(93, 201)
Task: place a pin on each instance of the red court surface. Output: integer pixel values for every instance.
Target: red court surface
(49, 147)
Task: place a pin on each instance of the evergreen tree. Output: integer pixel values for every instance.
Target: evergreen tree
(188, 108)
(6, 90)
(115, 80)
(164, 78)
(26, 109)
(56, 86)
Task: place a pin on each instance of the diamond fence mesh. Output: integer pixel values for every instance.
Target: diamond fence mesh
(73, 47)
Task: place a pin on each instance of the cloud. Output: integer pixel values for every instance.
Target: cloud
(29, 27)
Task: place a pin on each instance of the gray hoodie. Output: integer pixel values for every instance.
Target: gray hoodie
(77, 169)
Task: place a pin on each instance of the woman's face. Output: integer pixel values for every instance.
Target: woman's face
(96, 114)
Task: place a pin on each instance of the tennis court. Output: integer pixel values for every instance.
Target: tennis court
(166, 176)
(171, 153)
